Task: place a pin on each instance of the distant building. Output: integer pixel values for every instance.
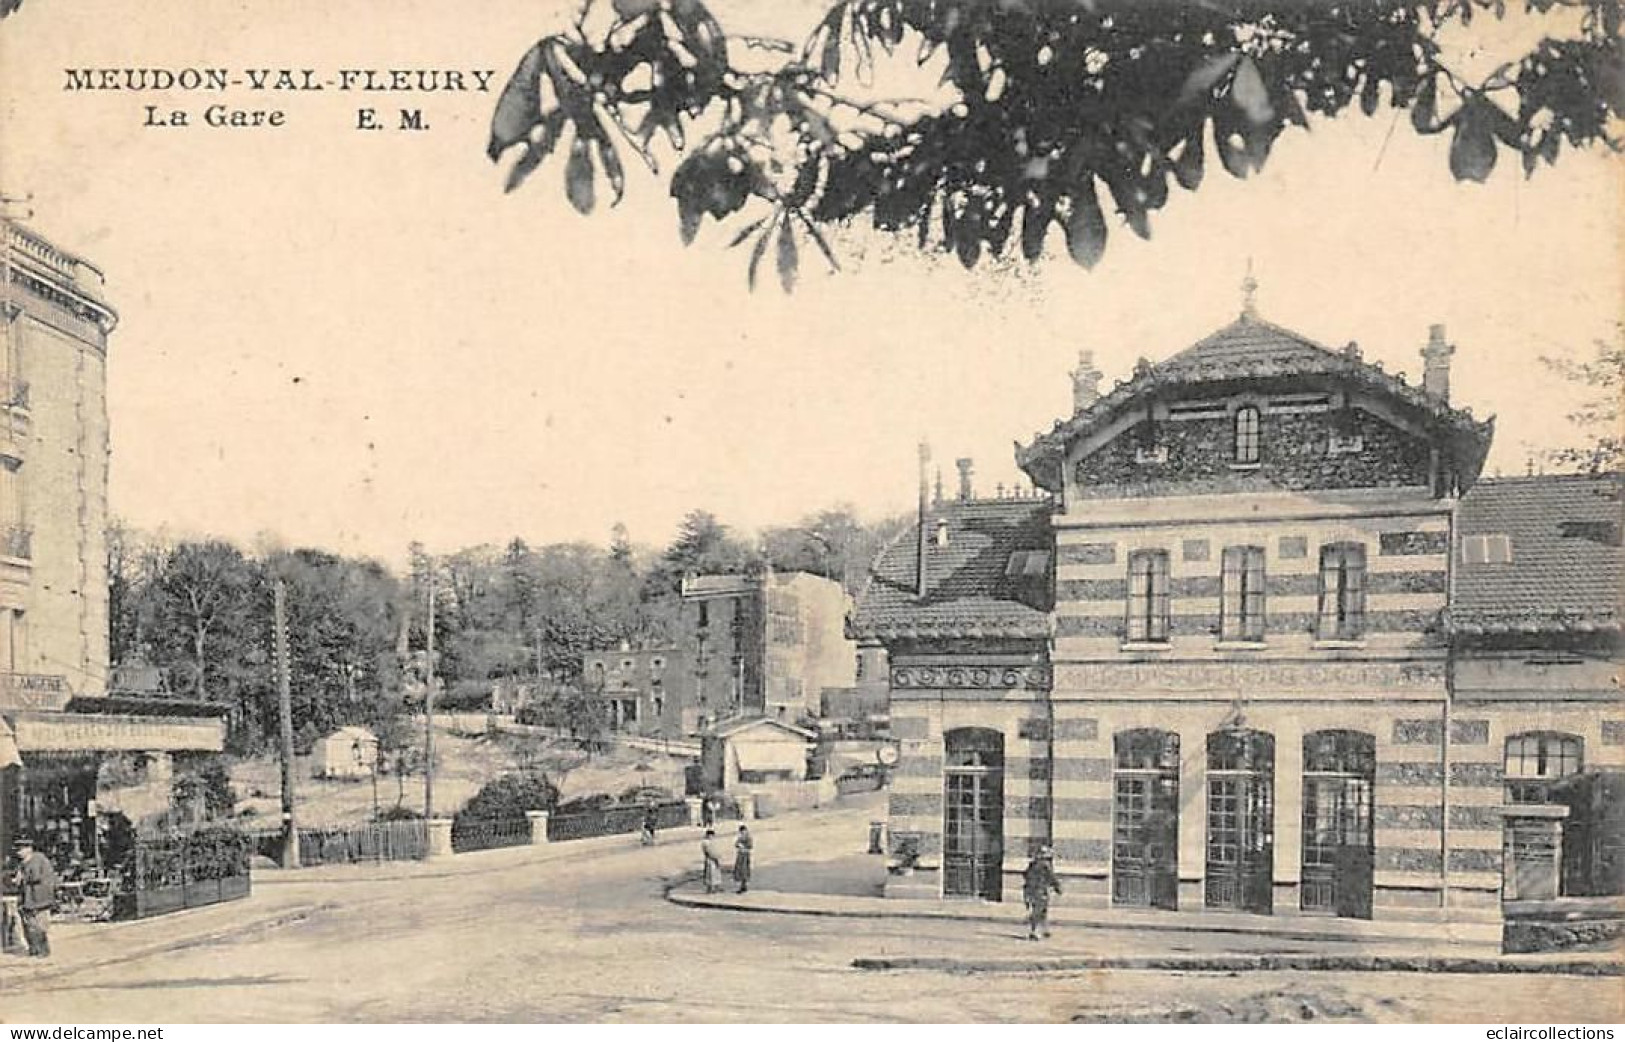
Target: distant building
(349, 752)
(61, 714)
(1266, 643)
(753, 751)
(752, 645)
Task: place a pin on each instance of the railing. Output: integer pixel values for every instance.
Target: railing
(468, 834)
(612, 821)
(17, 541)
(380, 841)
(27, 242)
(167, 875)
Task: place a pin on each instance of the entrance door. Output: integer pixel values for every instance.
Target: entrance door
(1339, 770)
(973, 814)
(1145, 819)
(1533, 853)
(1240, 821)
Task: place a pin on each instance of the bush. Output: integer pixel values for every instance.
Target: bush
(510, 796)
(586, 804)
(398, 814)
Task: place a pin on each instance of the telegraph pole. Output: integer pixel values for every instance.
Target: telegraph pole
(428, 708)
(290, 833)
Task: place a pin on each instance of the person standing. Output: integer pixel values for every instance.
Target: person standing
(36, 879)
(712, 860)
(1037, 882)
(708, 812)
(743, 845)
(651, 821)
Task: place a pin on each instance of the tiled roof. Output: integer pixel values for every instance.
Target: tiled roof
(1249, 348)
(970, 589)
(1566, 566)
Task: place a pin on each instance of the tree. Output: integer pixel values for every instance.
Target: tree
(1053, 111)
(834, 543)
(1597, 419)
(206, 627)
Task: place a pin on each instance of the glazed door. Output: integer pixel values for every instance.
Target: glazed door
(1337, 846)
(973, 833)
(1145, 839)
(1240, 842)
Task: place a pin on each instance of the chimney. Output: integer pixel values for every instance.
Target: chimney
(965, 466)
(1085, 382)
(1436, 364)
(925, 506)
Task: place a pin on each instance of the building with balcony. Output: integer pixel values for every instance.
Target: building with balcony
(56, 719)
(1216, 663)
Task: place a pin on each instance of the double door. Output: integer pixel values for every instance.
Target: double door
(973, 833)
(1145, 839)
(1338, 853)
(1240, 841)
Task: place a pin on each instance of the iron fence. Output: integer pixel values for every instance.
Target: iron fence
(611, 821)
(469, 834)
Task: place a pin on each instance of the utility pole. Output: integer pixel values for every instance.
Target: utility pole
(428, 707)
(290, 832)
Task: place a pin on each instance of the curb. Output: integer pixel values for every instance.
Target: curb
(1243, 963)
(270, 921)
(727, 903)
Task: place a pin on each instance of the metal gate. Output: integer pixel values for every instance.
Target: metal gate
(973, 814)
(1240, 869)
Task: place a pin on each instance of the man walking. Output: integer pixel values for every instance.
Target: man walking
(36, 879)
(743, 845)
(1037, 882)
(712, 862)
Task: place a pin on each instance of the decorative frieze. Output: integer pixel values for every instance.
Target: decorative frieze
(1407, 816)
(1475, 818)
(1292, 547)
(1196, 550)
(986, 678)
(1316, 677)
(1469, 732)
(1613, 732)
(1409, 774)
(1476, 775)
(1473, 860)
(1407, 859)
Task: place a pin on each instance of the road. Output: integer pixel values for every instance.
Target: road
(590, 939)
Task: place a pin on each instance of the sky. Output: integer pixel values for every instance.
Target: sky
(355, 340)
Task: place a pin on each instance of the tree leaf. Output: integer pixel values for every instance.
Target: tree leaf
(611, 162)
(1188, 168)
(1472, 150)
(1086, 225)
(578, 176)
(519, 106)
(1424, 110)
(1250, 95)
(788, 260)
(756, 254)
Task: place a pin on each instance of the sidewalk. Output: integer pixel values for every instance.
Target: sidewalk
(82, 946)
(1103, 937)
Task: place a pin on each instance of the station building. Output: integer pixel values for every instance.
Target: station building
(1261, 640)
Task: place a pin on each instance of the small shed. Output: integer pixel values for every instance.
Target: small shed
(754, 751)
(349, 752)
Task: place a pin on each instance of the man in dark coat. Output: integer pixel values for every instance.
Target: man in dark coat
(36, 880)
(1037, 882)
(743, 845)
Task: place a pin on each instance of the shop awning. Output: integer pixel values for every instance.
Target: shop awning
(771, 756)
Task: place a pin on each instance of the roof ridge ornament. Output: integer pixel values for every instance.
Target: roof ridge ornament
(1249, 294)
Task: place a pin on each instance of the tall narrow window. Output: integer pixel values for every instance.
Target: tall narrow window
(1148, 595)
(1247, 434)
(1241, 602)
(1342, 591)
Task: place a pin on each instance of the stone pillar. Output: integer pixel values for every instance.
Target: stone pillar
(694, 803)
(439, 837)
(538, 826)
(1192, 820)
(747, 806)
(1288, 782)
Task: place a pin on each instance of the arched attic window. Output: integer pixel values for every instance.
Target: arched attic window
(1247, 434)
